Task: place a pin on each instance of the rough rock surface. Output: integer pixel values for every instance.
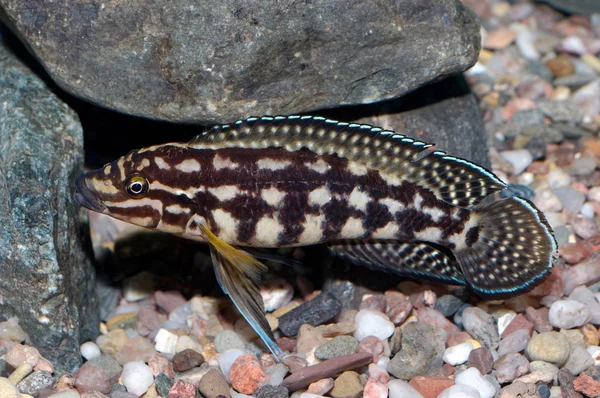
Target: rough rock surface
(47, 280)
(219, 61)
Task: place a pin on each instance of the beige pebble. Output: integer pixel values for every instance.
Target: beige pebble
(561, 93)
(8, 389)
(20, 373)
(592, 61)
(499, 38)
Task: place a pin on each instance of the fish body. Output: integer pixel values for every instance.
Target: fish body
(376, 197)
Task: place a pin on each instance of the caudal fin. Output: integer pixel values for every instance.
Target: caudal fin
(509, 252)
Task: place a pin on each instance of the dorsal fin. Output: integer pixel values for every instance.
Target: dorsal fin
(454, 180)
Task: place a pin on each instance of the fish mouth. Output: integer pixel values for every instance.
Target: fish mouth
(86, 197)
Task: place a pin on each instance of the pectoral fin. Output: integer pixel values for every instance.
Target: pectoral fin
(238, 274)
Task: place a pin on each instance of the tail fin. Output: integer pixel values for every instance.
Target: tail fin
(509, 252)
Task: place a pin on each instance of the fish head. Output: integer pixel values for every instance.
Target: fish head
(142, 188)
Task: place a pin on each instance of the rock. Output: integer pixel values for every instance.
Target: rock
(482, 359)
(138, 348)
(422, 350)
(309, 338)
(90, 350)
(45, 268)
(227, 358)
(166, 342)
(519, 322)
(579, 360)
(372, 323)
(499, 38)
(304, 376)
(169, 300)
(314, 312)
(336, 347)
(21, 354)
(583, 273)
(268, 391)
(551, 347)
(510, 366)
(230, 67)
(585, 296)
(246, 374)
(90, 378)
(137, 377)
(182, 389)
(347, 385)
(373, 346)
(8, 389)
(163, 384)
(472, 378)
(481, 326)
(214, 385)
(568, 314)
(514, 342)
(519, 389)
(35, 382)
(321, 387)
(186, 360)
(228, 340)
(377, 384)
(401, 389)
(561, 66)
(457, 391)
(448, 304)
(520, 159)
(435, 318)
(458, 354)
(539, 318)
(431, 387)
(565, 379)
(587, 385)
(570, 198)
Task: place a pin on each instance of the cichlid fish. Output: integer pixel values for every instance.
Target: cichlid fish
(376, 197)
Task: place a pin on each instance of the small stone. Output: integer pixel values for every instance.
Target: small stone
(435, 318)
(112, 342)
(314, 312)
(90, 378)
(519, 322)
(591, 336)
(543, 390)
(321, 387)
(457, 391)
(519, 158)
(90, 350)
(214, 385)
(348, 385)
(510, 366)
(400, 312)
(540, 372)
(21, 354)
(587, 385)
(309, 337)
(377, 384)
(163, 384)
(294, 363)
(514, 342)
(585, 296)
(65, 394)
(584, 227)
(448, 304)
(138, 287)
(482, 359)
(186, 360)
(123, 321)
(227, 358)
(583, 273)
(472, 377)
(377, 302)
(499, 38)
(431, 387)
(166, 342)
(566, 379)
(246, 374)
(276, 293)
(8, 389)
(519, 389)
(570, 198)
(228, 340)
(422, 349)
(169, 300)
(481, 326)
(148, 320)
(138, 348)
(579, 360)
(401, 389)
(338, 346)
(539, 318)
(268, 391)
(458, 354)
(372, 323)
(550, 347)
(568, 314)
(561, 66)
(182, 389)
(137, 377)
(373, 346)
(35, 382)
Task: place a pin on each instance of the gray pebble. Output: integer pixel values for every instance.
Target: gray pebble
(544, 390)
(448, 304)
(583, 166)
(228, 340)
(107, 364)
(337, 347)
(458, 316)
(570, 198)
(122, 394)
(35, 382)
(579, 360)
(268, 391)
(314, 312)
(540, 69)
(422, 349)
(482, 326)
(163, 384)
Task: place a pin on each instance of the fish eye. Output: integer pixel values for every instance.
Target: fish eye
(137, 186)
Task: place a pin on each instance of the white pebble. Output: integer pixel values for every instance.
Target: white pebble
(472, 377)
(459, 391)
(186, 342)
(504, 317)
(166, 342)
(401, 389)
(568, 314)
(65, 394)
(227, 358)
(306, 395)
(276, 293)
(90, 350)
(557, 178)
(138, 287)
(8, 389)
(458, 354)
(276, 374)
(525, 44)
(519, 158)
(594, 351)
(574, 44)
(587, 210)
(372, 323)
(137, 377)
(594, 194)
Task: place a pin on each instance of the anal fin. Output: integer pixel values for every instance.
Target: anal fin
(238, 274)
(416, 260)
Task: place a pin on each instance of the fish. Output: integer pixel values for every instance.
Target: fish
(375, 197)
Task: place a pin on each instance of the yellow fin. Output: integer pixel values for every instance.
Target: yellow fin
(238, 274)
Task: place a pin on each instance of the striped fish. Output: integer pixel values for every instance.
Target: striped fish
(376, 197)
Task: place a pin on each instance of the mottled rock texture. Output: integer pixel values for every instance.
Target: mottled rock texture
(192, 61)
(45, 278)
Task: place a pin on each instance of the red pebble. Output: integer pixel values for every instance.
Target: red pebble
(246, 374)
(431, 387)
(182, 389)
(520, 322)
(587, 385)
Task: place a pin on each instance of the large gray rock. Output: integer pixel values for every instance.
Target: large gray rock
(45, 278)
(217, 61)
